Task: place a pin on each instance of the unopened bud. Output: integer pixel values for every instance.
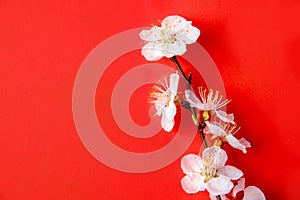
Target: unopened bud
(205, 116)
(218, 143)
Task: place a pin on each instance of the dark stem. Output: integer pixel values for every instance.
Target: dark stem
(187, 80)
(218, 197)
(201, 126)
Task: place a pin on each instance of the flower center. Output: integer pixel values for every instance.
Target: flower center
(160, 96)
(167, 36)
(209, 169)
(213, 100)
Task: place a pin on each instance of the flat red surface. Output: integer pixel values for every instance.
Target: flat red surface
(255, 45)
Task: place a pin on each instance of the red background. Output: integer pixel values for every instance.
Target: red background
(255, 45)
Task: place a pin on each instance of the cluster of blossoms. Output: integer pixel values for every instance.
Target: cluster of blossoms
(208, 171)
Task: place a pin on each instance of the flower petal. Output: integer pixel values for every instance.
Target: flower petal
(215, 130)
(192, 99)
(245, 142)
(215, 153)
(151, 53)
(193, 184)
(225, 117)
(186, 33)
(235, 143)
(170, 111)
(190, 163)
(170, 21)
(159, 108)
(183, 29)
(231, 172)
(239, 187)
(174, 80)
(166, 124)
(253, 193)
(177, 48)
(151, 35)
(220, 185)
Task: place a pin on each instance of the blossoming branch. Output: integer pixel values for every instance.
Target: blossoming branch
(205, 171)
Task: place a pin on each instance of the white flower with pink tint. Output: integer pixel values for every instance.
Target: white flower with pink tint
(163, 98)
(248, 193)
(212, 101)
(170, 39)
(208, 172)
(227, 131)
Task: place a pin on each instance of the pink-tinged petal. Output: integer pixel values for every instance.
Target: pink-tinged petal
(166, 124)
(170, 21)
(215, 130)
(253, 193)
(183, 29)
(151, 35)
(245, 142)
(193, 184)
(239, 187)
(174, 80)
(232, 172)
(235, 143)
(190, 163)
(170, 111)
(151, 53)
(207, 106)
(192, 99)
(225, 117)
(220, 185)
(187, 33)
(216, 154)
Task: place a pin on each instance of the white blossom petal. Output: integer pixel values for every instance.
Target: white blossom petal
(193, 184)
(166, 123)
(253, 193)
(189, 34)
(235, 143)
(150, 53)
(245, 142)
(225, 117)
(159, 109)
(239, 187)
(170, 111)
(172, 22)
(215, 130)
(193, 100)
(183, 29)
(190, 164)
(218, 155)
(220, 185)
(151, 35)
(232, 172)
(174, 80)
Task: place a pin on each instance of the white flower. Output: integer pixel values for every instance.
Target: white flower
(210, 102)
(227, 131)
(208, 172)
(163, 98)
(170, 39)
(250, 192)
